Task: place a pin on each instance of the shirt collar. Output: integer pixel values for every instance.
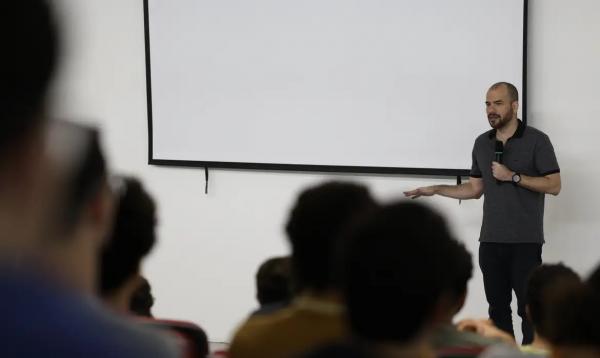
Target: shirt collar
(518, 132)
(318, 304)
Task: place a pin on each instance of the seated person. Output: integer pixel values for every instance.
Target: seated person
(560, 307)
(447, 339)
(53, 212)
(142, 300)
(543, 279)
(69, 255)
(315, 316)
(573, 315)
(394, 276)
(273, 284)
(130, 240)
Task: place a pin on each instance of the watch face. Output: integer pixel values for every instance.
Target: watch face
(516, 178)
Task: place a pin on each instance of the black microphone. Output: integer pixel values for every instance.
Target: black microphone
(498, 152)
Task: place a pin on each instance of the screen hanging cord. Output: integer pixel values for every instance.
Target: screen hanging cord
(458, 182)
(206, 180)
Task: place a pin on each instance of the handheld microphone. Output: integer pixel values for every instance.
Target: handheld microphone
(498, 152)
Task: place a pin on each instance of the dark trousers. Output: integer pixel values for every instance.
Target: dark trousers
(506, 267)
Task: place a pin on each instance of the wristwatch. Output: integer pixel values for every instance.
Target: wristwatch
(516, 178)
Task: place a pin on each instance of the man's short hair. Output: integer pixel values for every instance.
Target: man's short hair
(574, 313)
(594, 279)
(132, 238)
(28, 39)
(459, 269)
(540, 284)
(319, 216)
(274, 281)
(513, 93)
(394, 272)
(573, 316)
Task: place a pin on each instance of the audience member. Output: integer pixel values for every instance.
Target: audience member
(273, 284)
(447, 339)
(142, 300)
(573, 316)
(394, 275)
(552, 291)
(316, 314)
(49, 316)
(131, 239)
(542, 280)
(70, 258)
(29, 53)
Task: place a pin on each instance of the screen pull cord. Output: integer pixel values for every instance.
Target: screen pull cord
(206, 180)
(458, 182)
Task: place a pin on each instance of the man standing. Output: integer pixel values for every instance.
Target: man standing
(513, 166)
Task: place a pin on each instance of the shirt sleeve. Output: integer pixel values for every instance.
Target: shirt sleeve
(475, 170)
(545, 159)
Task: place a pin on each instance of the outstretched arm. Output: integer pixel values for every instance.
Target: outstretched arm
(473, 189)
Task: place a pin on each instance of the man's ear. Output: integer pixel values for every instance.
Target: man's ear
(515, 106)
(102, 210)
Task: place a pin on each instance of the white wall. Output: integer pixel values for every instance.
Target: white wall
(210, 245)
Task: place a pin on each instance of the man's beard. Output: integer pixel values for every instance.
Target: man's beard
(498, 122)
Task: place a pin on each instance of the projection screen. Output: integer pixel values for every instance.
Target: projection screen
(384, 86)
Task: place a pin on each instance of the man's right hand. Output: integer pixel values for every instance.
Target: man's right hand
(423, 191)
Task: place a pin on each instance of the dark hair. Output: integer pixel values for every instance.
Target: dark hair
(459, 269)
(273, 281)
(574, 313)
(394, 270)
(594, 279)
(142, 300)
(318, 218)
(132, 238)
(513, 93)
(541, 281)
(29, 43)
(573, 316)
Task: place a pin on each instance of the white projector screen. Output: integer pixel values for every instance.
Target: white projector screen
(345, 85)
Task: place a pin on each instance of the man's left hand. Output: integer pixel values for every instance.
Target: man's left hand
(501, 172)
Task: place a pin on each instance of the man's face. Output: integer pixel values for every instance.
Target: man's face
(499, 107)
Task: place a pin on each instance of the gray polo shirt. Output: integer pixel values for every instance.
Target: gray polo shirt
(512, 214)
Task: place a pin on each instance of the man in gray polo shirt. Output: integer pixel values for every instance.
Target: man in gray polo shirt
(512, 231)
